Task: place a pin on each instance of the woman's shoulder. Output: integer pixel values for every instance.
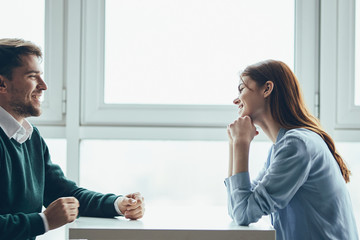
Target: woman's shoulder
(299, 141)
(300, 133)
(298, 136)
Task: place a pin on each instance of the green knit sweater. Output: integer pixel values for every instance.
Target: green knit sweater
(29, 180)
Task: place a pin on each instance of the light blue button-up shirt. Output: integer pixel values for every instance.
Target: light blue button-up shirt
(301, 186)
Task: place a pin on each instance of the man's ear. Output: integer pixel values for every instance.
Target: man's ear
(3, 85)
(269, 86)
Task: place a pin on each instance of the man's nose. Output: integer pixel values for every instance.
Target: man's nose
(41, 84)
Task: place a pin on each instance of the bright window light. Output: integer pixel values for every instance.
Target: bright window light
(57, 148)
(26, 22)
(190, 51)
(357, 54)
(23, 19)
(167, 173)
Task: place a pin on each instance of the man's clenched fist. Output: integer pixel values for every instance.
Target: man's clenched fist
(61, 211)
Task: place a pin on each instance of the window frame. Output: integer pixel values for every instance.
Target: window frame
(86, 118)
(348, 114)
(95, 112)
(53, 106)
(339, 114)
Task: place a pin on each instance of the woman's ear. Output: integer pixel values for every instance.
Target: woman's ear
(2, 84)
(269, 86)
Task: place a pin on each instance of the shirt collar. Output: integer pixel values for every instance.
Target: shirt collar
(13, 129)
(281, 133)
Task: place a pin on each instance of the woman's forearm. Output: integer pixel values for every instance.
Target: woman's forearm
(240, 157)
(231, 152)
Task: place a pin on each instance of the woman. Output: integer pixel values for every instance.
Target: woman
(302, 184)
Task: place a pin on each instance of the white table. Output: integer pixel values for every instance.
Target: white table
(170, 223)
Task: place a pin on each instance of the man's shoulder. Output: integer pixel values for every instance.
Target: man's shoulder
(35, 129)
(36, 133)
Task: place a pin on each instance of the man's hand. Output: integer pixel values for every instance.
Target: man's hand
(132, 206)
(61, 211)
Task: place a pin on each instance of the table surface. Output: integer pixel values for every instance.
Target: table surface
(170, 223)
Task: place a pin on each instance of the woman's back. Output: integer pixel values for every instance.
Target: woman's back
(321, 207)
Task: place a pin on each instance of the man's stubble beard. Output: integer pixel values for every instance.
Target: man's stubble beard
(24, 110)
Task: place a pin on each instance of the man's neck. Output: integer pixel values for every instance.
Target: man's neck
(18, 118)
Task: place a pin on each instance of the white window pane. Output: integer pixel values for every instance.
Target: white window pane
(57, 148)
(182, 173)
(190, 51)
(350, 152)
(23, 19)
(357, 54)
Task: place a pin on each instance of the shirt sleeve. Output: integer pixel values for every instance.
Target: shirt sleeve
(116, 205)
(254, 183)
(259, 177)
(287, 172)
(46, 223)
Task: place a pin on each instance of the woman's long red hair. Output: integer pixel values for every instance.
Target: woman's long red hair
(287, 104)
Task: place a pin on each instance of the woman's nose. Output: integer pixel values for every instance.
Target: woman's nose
(236, 101)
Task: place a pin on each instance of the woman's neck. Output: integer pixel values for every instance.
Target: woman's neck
(269, 126)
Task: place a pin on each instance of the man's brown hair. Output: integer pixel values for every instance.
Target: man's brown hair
(11, 50)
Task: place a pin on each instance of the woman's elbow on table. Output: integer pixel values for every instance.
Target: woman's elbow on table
(240, 217)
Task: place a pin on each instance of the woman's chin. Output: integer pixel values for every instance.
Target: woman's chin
(242, 114)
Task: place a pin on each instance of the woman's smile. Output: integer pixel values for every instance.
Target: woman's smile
(241, 106)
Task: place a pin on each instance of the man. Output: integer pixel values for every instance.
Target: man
(28, 178)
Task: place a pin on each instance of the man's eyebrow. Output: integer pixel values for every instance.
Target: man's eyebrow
(33, 71)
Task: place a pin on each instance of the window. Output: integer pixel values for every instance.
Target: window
(123, 55)
(340, 113)
(182, 71)
(57, 148)
(178, 173)
(189, 52)
(348, 114)
(35, 21)
(19, 22)
(357, 54)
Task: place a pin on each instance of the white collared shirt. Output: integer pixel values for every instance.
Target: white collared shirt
(13, 129)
